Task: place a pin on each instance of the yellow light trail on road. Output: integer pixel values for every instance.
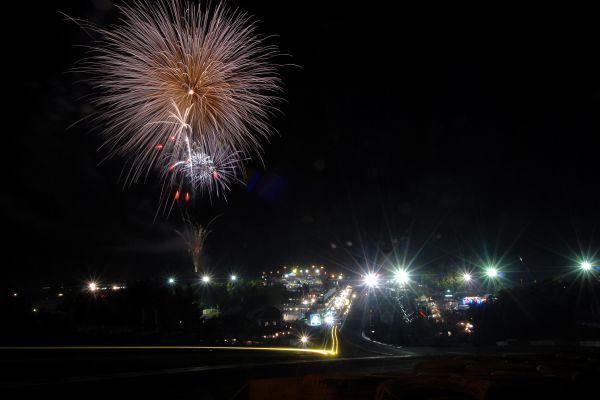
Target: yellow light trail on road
(275, 349)
(334, 341)
(331, 352)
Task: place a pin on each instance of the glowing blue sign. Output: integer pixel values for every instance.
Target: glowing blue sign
(315, 319)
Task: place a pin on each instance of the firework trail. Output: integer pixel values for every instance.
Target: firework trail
(194, 237)
(185, 90)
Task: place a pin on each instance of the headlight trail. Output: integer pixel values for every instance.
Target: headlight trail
(275, 349)
(336, 342)
(334, 350)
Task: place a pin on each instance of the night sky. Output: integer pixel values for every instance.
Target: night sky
(439, 151)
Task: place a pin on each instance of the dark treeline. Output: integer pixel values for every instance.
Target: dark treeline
(146, 311)
(550, 310)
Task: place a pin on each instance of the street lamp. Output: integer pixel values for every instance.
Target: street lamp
(233, 278)
(467, 277)
(304, 339)
(92, 286)
(401, 276)
(586, 265)
(371, 279)
(171, 281)
(491, 272)
(205, 279)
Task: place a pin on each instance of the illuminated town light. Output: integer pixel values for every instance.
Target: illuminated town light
(92, 286)
(467, 277)
(401, 276)
(586, 265)
(329, 319)
(491, 272)
(171, 281)
(304, 339)
(233, 278)
(205, 279)
(371, 279)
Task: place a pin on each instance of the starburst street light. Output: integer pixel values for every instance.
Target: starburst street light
(92, 286)
(205, 279)
(401, 276)
(586, 265)
(171, 281)
(371, 279)
(491, 272)
(304, 339)
(466, 277)
(233, 278)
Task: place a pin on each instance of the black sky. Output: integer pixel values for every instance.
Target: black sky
(446, 149)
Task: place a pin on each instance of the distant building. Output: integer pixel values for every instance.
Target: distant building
(267, 316)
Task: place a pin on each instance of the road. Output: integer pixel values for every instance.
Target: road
(354, 342)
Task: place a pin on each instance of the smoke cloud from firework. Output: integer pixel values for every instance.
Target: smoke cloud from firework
(184, 89)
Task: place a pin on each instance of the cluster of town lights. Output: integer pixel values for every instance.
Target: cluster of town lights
(401, 276)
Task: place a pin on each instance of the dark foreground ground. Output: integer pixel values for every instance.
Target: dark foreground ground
(202, 374)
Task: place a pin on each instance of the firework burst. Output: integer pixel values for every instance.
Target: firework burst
(209, 170)
(184, 89)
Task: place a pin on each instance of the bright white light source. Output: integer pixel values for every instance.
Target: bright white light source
(304, 339)
(92, 286)
(206, 279)
(371, 279)
(171, 281)
(401, 276)
(329, 319)
(233, 277)
(491, 272)
(586, 265)
(467, 277)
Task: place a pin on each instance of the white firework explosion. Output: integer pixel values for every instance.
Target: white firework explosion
(211, 172)
(187, 86)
